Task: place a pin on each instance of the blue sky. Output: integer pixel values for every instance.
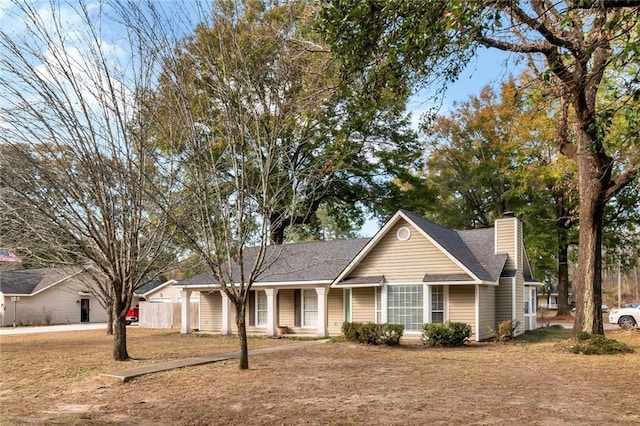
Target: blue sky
(488, 67)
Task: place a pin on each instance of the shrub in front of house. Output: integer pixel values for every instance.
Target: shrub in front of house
(372, 334)
(390, 334)
(351, 331)
(596, 344)
(450, 334)
(506, 330)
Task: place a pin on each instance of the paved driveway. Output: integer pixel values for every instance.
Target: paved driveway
(8, 331)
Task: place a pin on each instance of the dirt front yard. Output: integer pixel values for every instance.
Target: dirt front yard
(54, 378)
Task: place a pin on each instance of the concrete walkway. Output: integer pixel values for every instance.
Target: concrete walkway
(9, 331)
(130, 373)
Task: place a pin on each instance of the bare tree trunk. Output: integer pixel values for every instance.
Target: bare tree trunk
(592, 202)
(563, 273)
(110, 320)
(120, 339)
(563, 223)
(242, 335)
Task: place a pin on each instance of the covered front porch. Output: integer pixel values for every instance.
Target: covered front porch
(313, 310)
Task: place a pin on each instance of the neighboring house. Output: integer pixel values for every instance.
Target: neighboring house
(160, 305)
(157, 291)
(551, 301)
(47, 296)
(411, 272)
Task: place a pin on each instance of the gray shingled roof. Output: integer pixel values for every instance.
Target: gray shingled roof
(480, 261)
(481, 243)
(30, 281)
(439, 278)
(314, 261)
(325, 260)
(151, 285)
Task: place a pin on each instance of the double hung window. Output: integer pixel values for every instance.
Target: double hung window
(309, 308)
(405, 305)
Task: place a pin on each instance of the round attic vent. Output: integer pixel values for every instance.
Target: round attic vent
(403, 233)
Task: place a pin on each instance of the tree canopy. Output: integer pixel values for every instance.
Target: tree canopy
(570, 44)
(284, 74)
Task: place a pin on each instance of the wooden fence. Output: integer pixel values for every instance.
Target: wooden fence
(167, 315)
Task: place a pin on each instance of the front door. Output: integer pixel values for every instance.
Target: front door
(84, 310)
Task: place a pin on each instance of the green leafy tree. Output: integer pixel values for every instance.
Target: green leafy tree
(257, 137)
(292, 78)
(387, 44)
(490, 155)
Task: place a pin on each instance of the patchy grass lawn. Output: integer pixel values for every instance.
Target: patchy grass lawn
(54, 378)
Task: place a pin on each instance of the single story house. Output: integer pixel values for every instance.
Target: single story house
(550, 301)
(160, 305)
(47, 296)
(411, 272)
(158, 291)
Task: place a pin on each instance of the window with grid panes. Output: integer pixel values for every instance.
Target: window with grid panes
(405, 306)
(437, 303)
(309, 308)
(261, 308)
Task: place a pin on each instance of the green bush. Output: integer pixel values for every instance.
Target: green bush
(369, 333)
(596, 344)
(372, 334)
(390, 334)
(350, 330)
(450, 334)
(583, 335)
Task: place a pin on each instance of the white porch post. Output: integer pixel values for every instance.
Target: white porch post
(323, 294)
(272, 314)
(185, 314)
(225, 330)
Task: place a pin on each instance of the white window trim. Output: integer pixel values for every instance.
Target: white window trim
(446, 303)
(385, 304)
(426, 300)
(266, 309)
(348, 300)
(377, 306)
(445, 300)
(302, 309)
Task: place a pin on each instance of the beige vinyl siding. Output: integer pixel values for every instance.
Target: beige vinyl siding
(504, 300)
(170, 292)
(404, 261)
(363, 304)
(211, 312)
(286, 310)
(520, 302)
(462, 300)
(299, 331)
(505, 239)
(487, 317)
(60, 302)
(335, 315)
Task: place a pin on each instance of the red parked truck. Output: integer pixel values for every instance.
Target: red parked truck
(133, 314)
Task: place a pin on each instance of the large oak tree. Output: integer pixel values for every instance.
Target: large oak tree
(572, 43)
(293, 77)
